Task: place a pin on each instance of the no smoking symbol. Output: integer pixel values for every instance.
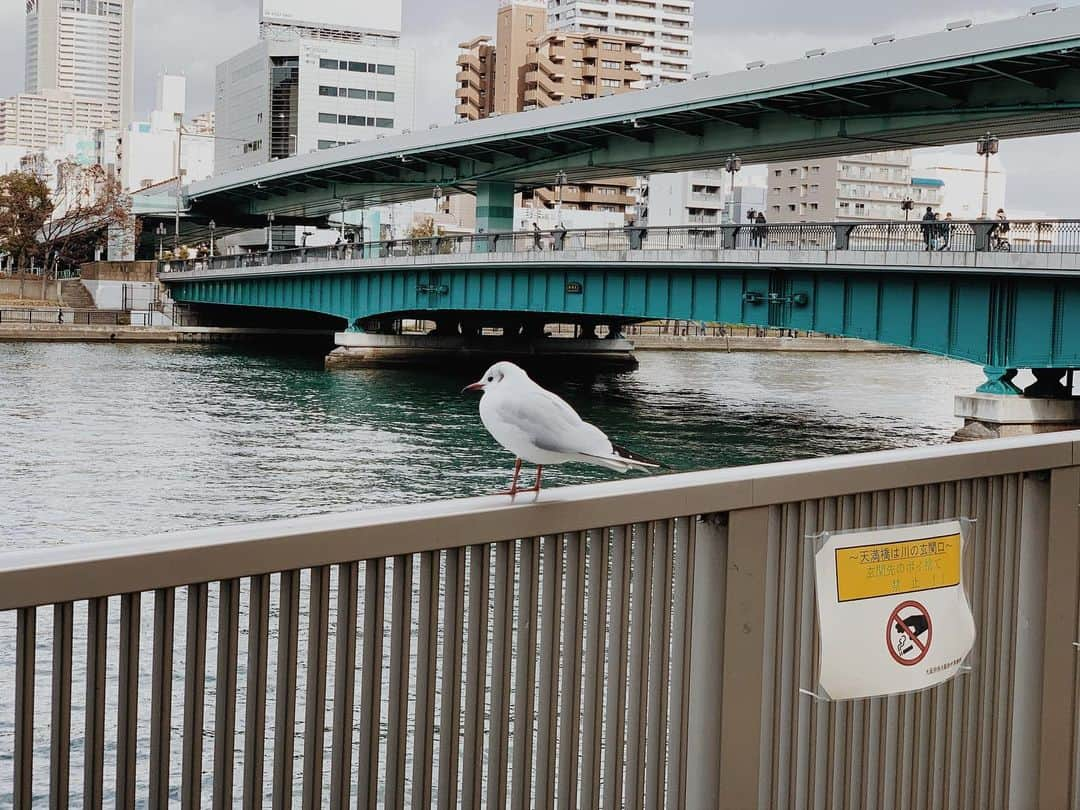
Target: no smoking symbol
(909, 633)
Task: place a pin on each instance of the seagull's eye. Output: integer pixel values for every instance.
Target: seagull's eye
(491, 379)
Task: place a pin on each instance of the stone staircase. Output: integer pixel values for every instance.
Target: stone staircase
(74, 295)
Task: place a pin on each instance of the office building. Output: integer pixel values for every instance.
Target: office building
(697, 198)
(42, 120)
(665, 28)
(849, 189)
(312, 86)
(84, 47)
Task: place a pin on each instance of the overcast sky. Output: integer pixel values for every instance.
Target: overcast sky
(191, 37)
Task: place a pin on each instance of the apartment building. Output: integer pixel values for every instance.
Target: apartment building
(868, 187)
(42, 120)
(664, 27)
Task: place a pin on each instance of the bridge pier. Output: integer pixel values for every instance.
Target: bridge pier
(366, 350)
(999, 409)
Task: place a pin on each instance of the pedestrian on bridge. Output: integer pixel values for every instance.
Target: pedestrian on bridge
(759, 231)
(538, 238)
(928, 228)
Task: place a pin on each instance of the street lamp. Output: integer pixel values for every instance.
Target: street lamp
(986, 146)
(269, 233)
(907, 206)
(161, 230)
(733, 165)
(560, 181)
(213, 227)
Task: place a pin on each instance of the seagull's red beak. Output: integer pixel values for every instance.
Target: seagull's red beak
(476, 386)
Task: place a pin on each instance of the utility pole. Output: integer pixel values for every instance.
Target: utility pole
(733, 165)
(986, 146)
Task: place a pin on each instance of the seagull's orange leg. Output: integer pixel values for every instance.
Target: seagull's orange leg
(514, 486)
(536, 486)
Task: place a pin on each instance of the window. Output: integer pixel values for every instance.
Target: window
(357, 93)
(384, 95)
(327, 91)
(778, 173)
(610, 83)
(384, 123)
(578, 63)
(608, 64)
(358, 67)
(530, 22)
(328, 64)
(355, 120)
(327, 118)
(328, 144)
(386, 70)
(611, 46)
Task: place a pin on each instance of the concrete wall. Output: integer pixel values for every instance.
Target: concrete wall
(9, 287)
(110, 294)
(119, 271)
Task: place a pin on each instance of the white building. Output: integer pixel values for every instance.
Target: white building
(42, 120)
(308, 87)
(666, 26)
(84, 47)
(151, 149)
(697, 198)
(962, 175)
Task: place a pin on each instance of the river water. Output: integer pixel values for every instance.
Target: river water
(106, 441)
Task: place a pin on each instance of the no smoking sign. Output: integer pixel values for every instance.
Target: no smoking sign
(909, 633)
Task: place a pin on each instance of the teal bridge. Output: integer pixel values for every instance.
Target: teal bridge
(1003, 299)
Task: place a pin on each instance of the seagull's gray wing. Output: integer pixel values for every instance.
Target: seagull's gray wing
(551, 424)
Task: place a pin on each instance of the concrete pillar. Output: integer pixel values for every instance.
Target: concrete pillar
(1000, 416)
(494, 207)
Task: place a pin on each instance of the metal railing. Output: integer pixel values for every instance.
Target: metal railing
(65, 316)
(647, 643)
(1042, 236)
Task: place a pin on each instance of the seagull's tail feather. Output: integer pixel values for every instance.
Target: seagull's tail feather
(622, 460)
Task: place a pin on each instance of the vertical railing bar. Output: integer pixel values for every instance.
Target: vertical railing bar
(615, 722)
(285, 689)
(450, 720)
(25, 666)
(128, 700)
(573, 639)
(160, 698)
(194, 684)
(681, 635)
(427, 652)
(500, 675)
(97, 630)
(595, 638)
(344, 687)
(398, 715)
(60, 737)
(472, 766)
(367, 786)
(549, 671)
(255, 710)
(636, 708)
(525, 676)
(658, 668)
(315, 687)
(228, 640)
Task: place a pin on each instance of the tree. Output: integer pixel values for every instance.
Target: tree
(24, 208)
(90, 201)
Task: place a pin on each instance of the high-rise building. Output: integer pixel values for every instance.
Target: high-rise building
(665, 28)
(529, 68)
(847, 189)
(86, 48)
(42, 120)
(315, 84)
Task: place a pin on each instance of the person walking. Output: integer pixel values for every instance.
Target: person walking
(928, 229)
(760, 230)
(537, 238)
(946, 229)
(998, 239)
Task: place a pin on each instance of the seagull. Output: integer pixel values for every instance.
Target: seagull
(541, 428)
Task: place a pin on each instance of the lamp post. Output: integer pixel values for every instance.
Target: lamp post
(341, 225)
(269, 233)
(733, 165)
(161, 230)
(986, 146)
(213, 227)
(907, 206)
(560, 181)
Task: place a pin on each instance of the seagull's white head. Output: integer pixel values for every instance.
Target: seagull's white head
(498, 374)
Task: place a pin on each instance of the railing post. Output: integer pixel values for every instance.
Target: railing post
(1059, 726)
(706, 663)
(842, 235)
(743, 673)
(982, 234)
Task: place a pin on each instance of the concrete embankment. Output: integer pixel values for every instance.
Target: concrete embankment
(751, 343)
(80, 333)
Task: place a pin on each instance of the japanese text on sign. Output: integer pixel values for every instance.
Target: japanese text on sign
(889, 569)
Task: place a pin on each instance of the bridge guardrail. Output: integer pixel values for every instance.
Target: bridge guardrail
(640, 643)
(1018, 236)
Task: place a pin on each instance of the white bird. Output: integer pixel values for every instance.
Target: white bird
(541, 428)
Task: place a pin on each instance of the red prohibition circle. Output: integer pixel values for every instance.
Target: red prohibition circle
(894, 619)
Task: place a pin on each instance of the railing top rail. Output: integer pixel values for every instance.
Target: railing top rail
(39, 577)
